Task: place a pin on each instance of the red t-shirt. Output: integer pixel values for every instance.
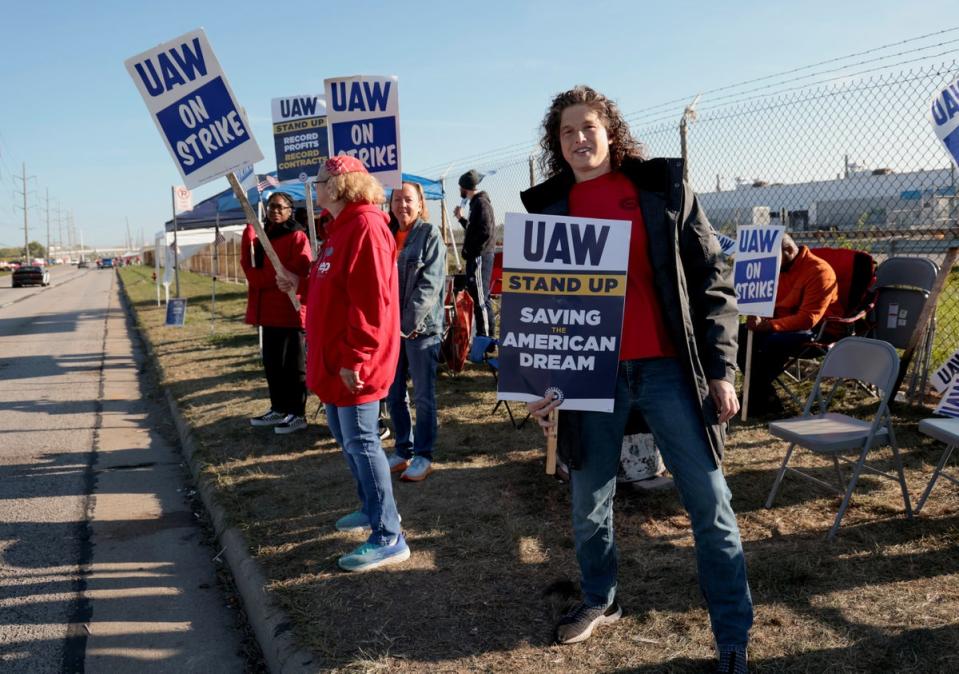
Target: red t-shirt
(613, 196)
(401, 235)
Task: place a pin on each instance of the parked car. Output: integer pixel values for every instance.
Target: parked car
(31, 275)
(106, 263)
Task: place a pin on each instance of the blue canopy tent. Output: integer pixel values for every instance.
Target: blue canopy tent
(204, 214)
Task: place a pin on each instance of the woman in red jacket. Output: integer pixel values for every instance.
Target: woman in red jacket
(270, 308)
(353, 332)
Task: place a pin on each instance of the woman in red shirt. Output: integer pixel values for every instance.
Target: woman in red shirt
(270, 308)
(353, 334)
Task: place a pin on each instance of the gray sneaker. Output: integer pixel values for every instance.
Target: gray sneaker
(733, 660)
(290, 424)
(579, 623)
(271, 418)
(419, 469)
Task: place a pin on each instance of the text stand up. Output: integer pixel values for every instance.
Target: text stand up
(261, 235)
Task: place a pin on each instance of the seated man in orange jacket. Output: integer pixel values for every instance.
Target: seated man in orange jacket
(807, 287)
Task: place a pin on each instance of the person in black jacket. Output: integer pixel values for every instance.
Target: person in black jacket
(677, 362)
(479, 246)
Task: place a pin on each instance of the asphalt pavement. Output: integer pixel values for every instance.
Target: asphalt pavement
(103, 565)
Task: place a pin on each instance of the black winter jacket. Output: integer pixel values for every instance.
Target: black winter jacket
(692, 280)
(480, 235)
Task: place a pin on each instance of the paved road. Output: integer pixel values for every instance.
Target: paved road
(102, 565)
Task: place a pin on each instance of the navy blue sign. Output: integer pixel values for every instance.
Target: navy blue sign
(203, 126)
(372, 141)
(564, 288)
(300, 136)
(756, 280)
(176, 312)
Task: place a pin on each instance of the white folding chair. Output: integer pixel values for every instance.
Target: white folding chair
(826, 433)
(947, 431)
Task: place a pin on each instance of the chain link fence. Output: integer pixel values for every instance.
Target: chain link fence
(853, 164)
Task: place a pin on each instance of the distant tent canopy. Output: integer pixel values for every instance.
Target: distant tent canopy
(204, 214)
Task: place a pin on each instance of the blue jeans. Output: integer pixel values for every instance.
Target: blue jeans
(418, 360)
(356, 429)
(659, 389)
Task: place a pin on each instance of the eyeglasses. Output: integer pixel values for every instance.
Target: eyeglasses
(277, 207)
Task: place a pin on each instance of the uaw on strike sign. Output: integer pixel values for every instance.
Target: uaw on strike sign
(364, 118)
(944, 116)
(756, 273)
(194, 109)
(564, 288)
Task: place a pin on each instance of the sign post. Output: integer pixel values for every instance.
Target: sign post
(364, 122)
(756, 277)
(182, 202)
(564, 290)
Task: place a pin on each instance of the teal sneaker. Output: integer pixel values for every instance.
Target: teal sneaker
(355, 521)
(370, 556)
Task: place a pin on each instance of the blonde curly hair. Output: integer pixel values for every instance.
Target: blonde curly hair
(355, 188)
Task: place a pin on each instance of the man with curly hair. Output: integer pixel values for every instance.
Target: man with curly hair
(677, 362)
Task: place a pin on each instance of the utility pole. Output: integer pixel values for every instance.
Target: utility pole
(48, 223)
(26, 227)
(129, 238)
(72, 232)
(59, 231)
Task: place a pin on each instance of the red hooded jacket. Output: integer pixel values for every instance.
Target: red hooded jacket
(266, 304)
(353, 315)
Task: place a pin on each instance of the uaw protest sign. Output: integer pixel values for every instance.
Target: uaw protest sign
(944, 116)
(299, 135)
(364, 121)
(756, 273)
(564, 287)
(194, 108)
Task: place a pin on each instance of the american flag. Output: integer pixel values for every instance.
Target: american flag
(268, 181)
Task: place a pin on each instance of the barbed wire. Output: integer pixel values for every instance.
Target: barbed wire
(509, 152)
(686, 99)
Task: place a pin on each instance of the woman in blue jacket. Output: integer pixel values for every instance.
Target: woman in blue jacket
(421, 261)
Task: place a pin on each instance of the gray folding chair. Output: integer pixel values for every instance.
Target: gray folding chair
(826, 433)
(947, 431)
(902, 289)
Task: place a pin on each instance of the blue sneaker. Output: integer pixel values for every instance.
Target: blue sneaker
(371, 556)
(355, 521)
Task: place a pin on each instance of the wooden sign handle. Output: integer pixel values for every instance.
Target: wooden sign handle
(261, 235)
(551, 437)
(748, 374)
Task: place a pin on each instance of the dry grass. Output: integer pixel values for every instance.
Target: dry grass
(490, 533)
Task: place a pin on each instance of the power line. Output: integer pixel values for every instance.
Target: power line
(666, 119)
(741, 96)
(639, 114)
(727, 87)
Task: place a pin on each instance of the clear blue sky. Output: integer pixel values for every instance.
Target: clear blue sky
(472, 78)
